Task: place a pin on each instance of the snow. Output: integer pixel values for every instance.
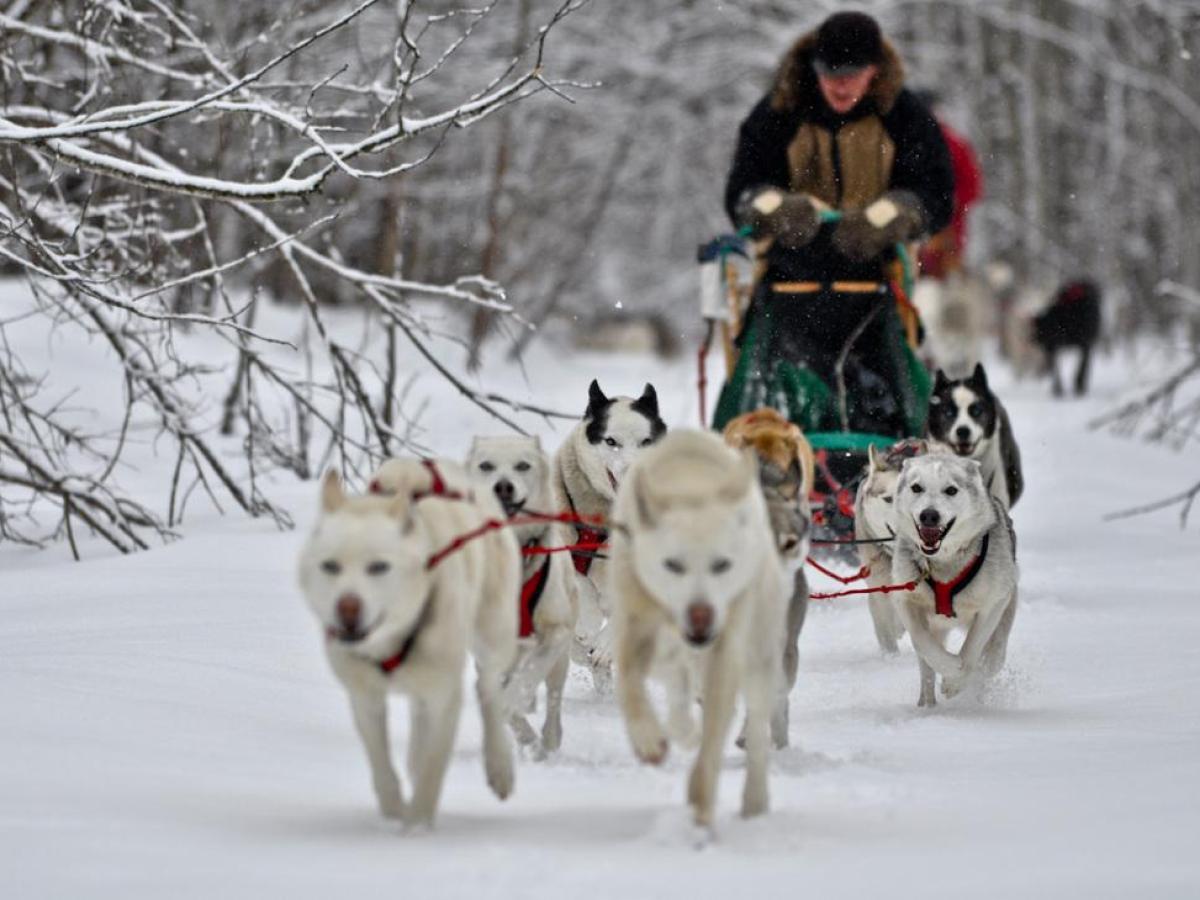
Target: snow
(171, 729)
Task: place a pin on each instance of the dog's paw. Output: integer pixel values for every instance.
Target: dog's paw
(522, 731)
(602, 680)
(952, 687)
(552, 735)
(602, 649)
(779, 731)
(500, 772)
(649, 743)
(754, 803)
(389, 798)
(417, 822)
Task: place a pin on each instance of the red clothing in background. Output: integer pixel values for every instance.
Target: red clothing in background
(944, 250)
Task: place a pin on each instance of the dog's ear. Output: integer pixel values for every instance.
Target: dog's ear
(641, 503)
(743, 476)
(647, 404)
(596, 400)
(874, 464)
(796, 476)
(401, 508)
(940, 381)
(979, 377)
(974, 469)
(333, 493)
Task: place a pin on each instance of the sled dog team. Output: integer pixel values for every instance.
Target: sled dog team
(645, 554)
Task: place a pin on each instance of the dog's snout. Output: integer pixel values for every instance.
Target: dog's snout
(504, 490)
(963, 433)
(699, 618)
(929, 517)
(349, 610)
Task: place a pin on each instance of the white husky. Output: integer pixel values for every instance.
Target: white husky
(393, 623)
(874, 513)
(698, 588)
(517, 471)
(955, 541)
(587, 470)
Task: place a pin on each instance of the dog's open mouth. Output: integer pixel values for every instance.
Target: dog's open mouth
(346, 635)
(931, 537)
(964, 448)
(512, 507)
(698, 638)
(349, 635)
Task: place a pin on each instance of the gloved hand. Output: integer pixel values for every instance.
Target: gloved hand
(792, 219)
(864, 234)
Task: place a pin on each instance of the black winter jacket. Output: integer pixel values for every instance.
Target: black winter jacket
(795, 113)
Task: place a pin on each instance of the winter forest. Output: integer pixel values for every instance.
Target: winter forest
(246, 244)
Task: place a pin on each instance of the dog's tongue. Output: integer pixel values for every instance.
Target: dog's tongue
(930, 536)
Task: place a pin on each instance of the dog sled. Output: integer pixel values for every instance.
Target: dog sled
(837, 359)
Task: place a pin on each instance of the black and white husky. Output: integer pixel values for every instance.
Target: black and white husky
(588, 468)
(969, 420)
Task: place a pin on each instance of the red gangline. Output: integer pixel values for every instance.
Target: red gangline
(495, 524)
(842, 579)
(882, 589)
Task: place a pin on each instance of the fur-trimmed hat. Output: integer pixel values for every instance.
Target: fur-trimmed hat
(847, 42)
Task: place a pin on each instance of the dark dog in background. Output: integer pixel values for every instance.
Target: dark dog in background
(1071, 320)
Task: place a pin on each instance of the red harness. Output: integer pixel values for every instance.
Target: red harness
(436, 489)
(531, 593)
(944, 592)
(590, 540)
(593, 538)
(393, 662)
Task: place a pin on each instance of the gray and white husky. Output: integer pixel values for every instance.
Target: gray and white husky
(517, 471)
(874, 514)
(956, 542)
(588, 469)
(394, 624)
(700, 597)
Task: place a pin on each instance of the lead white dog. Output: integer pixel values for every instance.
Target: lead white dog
(698, 588)
(517, 471)
(393, 623)
(955, 541)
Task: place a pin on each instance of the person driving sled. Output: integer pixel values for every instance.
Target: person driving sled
(838, 134)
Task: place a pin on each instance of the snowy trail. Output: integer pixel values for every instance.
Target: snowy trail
(170, 728)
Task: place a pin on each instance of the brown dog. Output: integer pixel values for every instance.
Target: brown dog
(785, 469)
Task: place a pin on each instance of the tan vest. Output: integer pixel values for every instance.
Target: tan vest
(865, 154)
